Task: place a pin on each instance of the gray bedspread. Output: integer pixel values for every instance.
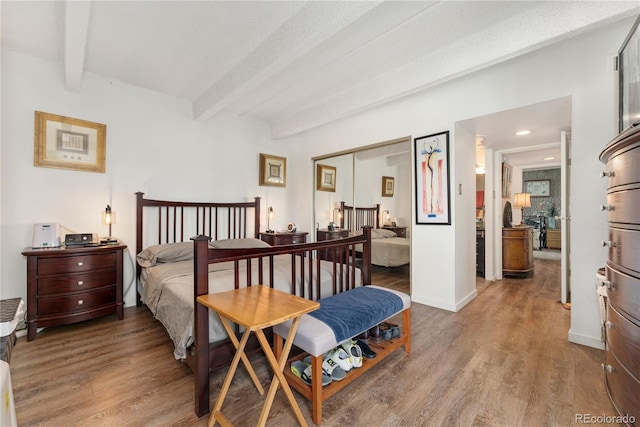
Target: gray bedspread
(168, 292)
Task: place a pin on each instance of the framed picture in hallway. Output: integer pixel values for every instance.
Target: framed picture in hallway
(432, 179)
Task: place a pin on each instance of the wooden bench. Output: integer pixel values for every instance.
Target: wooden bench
(315, 338)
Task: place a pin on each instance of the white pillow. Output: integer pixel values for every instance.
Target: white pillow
(381, 233)
(238, 244)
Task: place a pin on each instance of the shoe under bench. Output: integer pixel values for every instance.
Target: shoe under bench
(315, 392)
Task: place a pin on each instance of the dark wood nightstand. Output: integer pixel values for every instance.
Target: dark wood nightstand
(69, 285)
(400, 231)
(324, 234)
(284, 238)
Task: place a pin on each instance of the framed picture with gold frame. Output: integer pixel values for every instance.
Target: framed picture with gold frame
(68, 143)
(387, 186)
(325, 177)
(273, 170)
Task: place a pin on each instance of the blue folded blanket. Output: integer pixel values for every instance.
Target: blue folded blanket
(353, 312)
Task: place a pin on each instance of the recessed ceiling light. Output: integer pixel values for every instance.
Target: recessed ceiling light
(549, 158)
(524, 132)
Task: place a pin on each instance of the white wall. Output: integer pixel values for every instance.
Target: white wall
(153, 146)
(581, 68)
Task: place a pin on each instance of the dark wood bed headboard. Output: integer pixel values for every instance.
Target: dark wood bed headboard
(175, 221)
(354, 218)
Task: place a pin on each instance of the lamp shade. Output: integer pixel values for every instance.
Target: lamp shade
(522, 200)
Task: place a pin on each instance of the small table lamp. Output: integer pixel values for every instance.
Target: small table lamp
(109, 219)
(522, 200)
(269, 218)
(339, 216)
(386, 216)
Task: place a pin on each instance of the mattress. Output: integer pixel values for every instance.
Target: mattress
(167, 289)
(389, 251)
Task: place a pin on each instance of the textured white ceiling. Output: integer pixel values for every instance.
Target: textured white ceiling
(293, 64)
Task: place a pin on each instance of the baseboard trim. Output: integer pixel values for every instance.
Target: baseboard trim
(466, 300)
(434, 303)
(586, 340)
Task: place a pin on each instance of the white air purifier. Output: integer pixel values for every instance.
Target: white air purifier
(46, 235)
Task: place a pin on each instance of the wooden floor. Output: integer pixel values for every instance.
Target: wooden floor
(502, 360)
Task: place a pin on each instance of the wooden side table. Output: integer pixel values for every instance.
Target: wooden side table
(324, 234)
(284, 238)
(255, 308)
(68, 285)
(517, 251)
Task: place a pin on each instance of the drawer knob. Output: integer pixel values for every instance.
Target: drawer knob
(608, 368)
(605, 174)
(80, 302)
(608, 244)
(608, 284)
(80, 263)
(606, 207)
(610, 325)
(80, 282)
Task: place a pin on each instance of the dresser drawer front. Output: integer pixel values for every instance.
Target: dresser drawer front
(76, 282)
(76, 303)
(623, 206)
(624, 292)
(298, 239)
(76, 264)
(623, 337)
(623, 168)
(516, 233)
(625, 248)
(623, 388)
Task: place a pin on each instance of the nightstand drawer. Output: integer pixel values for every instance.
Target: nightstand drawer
(299, 238)
(517, 233)
(76, 303)
(73, 264)
(77, 282)
(284, 238)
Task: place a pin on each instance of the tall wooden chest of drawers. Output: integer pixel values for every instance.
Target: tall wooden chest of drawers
(622, 368)
(517, 251)
(68, 285)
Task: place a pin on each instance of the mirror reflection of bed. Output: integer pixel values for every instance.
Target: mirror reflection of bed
(360, 177)
(390, 246)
